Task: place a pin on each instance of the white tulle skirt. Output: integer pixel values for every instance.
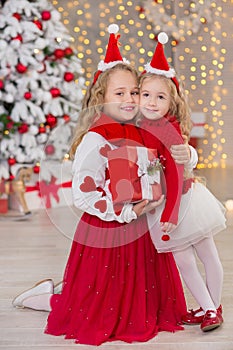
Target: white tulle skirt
(201, 215)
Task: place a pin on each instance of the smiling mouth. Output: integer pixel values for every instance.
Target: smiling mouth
(128, 109)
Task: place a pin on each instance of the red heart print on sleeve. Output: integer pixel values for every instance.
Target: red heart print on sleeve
(104, 150)
(101, 205)
(88, 184)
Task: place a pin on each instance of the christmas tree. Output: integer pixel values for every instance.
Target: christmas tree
(41, 86)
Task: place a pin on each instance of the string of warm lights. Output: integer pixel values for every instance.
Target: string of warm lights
(199, 57)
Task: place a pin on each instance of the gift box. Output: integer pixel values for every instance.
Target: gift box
(47, 193)
(3, 204)
(3, 197)
(135, 174)
(199, 121)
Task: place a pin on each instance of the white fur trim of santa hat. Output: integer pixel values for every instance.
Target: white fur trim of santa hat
(104, 66)
(167, 73)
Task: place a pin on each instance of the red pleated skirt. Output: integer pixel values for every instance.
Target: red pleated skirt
(116, 287)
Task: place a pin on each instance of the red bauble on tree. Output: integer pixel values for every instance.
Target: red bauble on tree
(1, 84)
(49, 150)
(10, 124)
(55, 92)
(46, 15)
(36, 169)
(66, 118)
(51, 120)
(59, 53)
(42, 129)
(23, 128)
(18, 37)
(38, 24)
(68, 52)
(11, 177)
(68, 76)
(21, 68)
(28, 95)
(11, 161)
(17, 16)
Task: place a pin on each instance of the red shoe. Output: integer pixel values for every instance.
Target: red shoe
(191, 318)
(211, 321)
(219, 313)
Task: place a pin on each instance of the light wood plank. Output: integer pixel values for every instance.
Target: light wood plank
(36, 249)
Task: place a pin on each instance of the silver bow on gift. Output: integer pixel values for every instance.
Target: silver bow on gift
(148, 172)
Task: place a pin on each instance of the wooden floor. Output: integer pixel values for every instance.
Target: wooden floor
(36, 249)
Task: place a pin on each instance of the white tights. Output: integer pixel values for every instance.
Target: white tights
(208, 293)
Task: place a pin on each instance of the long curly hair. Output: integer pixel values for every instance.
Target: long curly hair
(93, 103)
(179, 106)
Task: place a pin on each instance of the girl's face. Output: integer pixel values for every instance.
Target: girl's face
(122, 96)
(155, 98)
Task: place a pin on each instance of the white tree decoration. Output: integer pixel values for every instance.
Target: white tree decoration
(41, 84)
(198, 13)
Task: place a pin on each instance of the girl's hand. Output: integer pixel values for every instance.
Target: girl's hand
(167, 226)
(145, 206)
(181, 153)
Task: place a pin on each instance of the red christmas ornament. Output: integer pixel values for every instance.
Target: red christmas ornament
(38, 24)
(21, 68)
(18, 37)
(66, 118)
(23, 128)
(10, 124)
(55, 92)
(11, 177)
(46, 15)
(165, 238)
(68, 52)
(141, 10)
(28, 95)
(49, 149)
(36, 169)
(17, 16)
(42, 129)
(51, 120)
(1, 84)
(11, 161)
(59, 53)
(68, 76)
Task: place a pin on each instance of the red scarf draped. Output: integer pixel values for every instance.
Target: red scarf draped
(117, 133)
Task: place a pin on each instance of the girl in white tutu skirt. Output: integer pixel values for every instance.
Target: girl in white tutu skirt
(197, 215)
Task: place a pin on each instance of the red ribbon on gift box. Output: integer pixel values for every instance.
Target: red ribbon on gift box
(48, 190)
(126, 184)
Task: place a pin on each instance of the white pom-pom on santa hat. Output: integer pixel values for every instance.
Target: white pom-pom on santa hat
(163, 38)
(113, 28)
(113, 55)
(158, 64)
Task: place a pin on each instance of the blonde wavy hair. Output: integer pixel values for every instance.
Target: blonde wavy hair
(93, 104)
(179, 102)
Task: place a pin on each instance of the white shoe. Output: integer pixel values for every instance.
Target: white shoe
(42, 287)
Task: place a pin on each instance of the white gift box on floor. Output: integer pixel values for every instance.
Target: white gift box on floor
(40, 193)
(199, 121)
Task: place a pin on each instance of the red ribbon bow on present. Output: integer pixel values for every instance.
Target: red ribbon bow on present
(48, 190)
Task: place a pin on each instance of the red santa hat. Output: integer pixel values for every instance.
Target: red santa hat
(158, 64)
(113, 55)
